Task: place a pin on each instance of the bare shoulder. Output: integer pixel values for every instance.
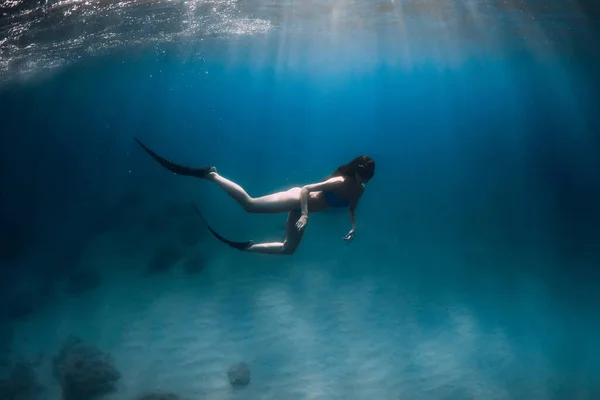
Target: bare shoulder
(336, 180)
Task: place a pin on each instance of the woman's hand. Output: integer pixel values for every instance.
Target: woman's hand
(350, 235)
(301, 223)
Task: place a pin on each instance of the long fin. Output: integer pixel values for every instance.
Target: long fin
(176, 168)
(236, 245)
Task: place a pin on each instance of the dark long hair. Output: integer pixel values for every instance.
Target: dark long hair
(361, 165)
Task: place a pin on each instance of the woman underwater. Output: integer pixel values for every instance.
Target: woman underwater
(343, 188)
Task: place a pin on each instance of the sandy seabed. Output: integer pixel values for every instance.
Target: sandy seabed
(313, 328)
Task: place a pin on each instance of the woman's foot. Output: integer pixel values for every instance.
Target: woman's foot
(211, 173)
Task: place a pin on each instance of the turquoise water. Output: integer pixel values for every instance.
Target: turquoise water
(473, 273)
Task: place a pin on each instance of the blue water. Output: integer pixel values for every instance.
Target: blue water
(474, 270)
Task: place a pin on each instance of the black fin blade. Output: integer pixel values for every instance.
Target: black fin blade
(236, 245)
(175, 168)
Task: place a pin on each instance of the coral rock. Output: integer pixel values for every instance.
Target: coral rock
(239, 375)
(84, 372)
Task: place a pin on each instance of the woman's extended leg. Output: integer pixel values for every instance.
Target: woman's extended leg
(289, 245)
(273, 203)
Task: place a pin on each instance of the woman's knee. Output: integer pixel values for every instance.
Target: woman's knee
(249, 205)
(289, 247)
